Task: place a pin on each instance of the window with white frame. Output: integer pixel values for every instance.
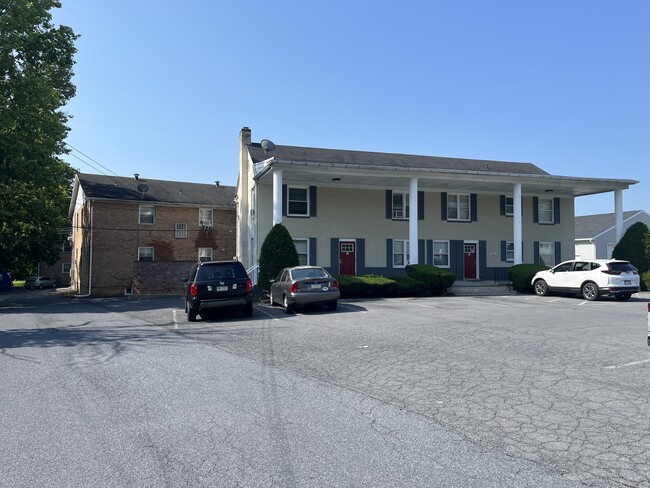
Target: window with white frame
(205, 217)
(401, 255)
(458, 207)
(510, 206)
(400, 205)
(145, 254)
(302, 248)
(297, 201)
(180, 230)
(205, 254)
(147, 214)
(545, 211)
(547, 253)
(441, 254)
(510, 251)
(65, 268)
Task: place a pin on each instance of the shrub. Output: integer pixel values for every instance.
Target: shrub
(370, 286)
(645, 281)
(436, 280)
(634, 247)
(278, 252)
(521, 274)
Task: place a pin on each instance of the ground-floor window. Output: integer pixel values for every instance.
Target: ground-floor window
(441, 254)
(547, 253)
(145, 254)
(205, 254)
(302, 248)
(401, 256)
(510, 251)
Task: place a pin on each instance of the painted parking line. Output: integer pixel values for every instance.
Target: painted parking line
(635, 363)
(175, 318)
(260, 309)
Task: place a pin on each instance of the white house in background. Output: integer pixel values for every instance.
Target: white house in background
(596, 234)
(359, 212)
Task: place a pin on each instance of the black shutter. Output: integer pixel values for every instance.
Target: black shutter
(389, 253)
(334, 255)
(473, 207)
(389, 204)
(536, 252)
(312, 201)
(536, 212)
(558, 252)
(312, 251)
(556, 211)
(421, 252)
(420, 205)
(284, 200)
(443, 206)
(361, 256)
(504, 251)
(430, 251)
(502, 204)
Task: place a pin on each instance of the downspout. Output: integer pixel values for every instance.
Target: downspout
(90, 256)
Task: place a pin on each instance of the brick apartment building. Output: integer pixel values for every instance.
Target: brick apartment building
(135, 235)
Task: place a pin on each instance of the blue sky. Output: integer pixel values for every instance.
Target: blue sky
(163, 87)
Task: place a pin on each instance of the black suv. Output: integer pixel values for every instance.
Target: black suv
(217, 284)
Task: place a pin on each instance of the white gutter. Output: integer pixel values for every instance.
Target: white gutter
(90, 257)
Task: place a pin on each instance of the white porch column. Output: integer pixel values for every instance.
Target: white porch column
(413, 221)
(516, 223)
(277, 196)
(618, 213)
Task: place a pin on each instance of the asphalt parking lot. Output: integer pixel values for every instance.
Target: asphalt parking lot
(555, 380)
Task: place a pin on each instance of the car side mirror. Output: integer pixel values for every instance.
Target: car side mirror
(272, 280)
(552, 271)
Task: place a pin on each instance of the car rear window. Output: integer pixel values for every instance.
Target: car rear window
(220, 271)
(299, 274)
(621, 266)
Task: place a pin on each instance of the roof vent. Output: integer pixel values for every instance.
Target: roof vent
(218, 183)
(136, 176)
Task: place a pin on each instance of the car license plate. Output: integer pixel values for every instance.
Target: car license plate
(222, 288)
(315, 286)
(627, 282)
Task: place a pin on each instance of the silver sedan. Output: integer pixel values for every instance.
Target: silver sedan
(304, 285)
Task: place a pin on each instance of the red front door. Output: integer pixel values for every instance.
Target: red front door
(347, 258)
(469, 254)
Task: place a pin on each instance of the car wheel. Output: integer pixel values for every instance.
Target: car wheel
(622, 296)
(285, 304)
(248, 310)
(590, 291)
(271, 301)
(332, 305)
(40, 287)
(541, 288)
(191, 314)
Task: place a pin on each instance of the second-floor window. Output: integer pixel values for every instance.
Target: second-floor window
(545, 211)
(458, 207)
(180, 230)
(205, 217)
(147, 214)
(510, 206)
(400, 205)
(298, 201)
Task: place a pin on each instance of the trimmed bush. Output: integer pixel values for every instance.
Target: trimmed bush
(436, 280)
(521, 274)
(634, 247)
(645, 281)
(278, 252)
(373, 286)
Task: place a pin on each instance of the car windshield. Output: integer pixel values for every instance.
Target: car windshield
(622, 266)
(300, 274)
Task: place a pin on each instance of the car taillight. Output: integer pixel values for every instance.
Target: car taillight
(611, 272)
(249, 286)
(293, 288)
(335, 284)
(194, 290)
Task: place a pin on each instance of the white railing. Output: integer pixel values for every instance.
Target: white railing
(253, 272)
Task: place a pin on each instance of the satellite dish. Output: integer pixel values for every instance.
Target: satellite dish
(267, 145)
(143, 188)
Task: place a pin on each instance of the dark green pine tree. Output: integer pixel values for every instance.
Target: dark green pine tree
(634, 247)
(278, 252)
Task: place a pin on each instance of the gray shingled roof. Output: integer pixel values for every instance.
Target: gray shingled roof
(589, 226)
(161, 191)
(338, 156)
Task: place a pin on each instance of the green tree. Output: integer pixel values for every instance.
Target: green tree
(36, 60)
(278, 251)
(634, 247)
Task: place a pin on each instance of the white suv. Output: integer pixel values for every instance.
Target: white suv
(590, 278)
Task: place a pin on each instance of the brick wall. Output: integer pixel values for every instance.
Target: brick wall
(117, 235)
(160, 278)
